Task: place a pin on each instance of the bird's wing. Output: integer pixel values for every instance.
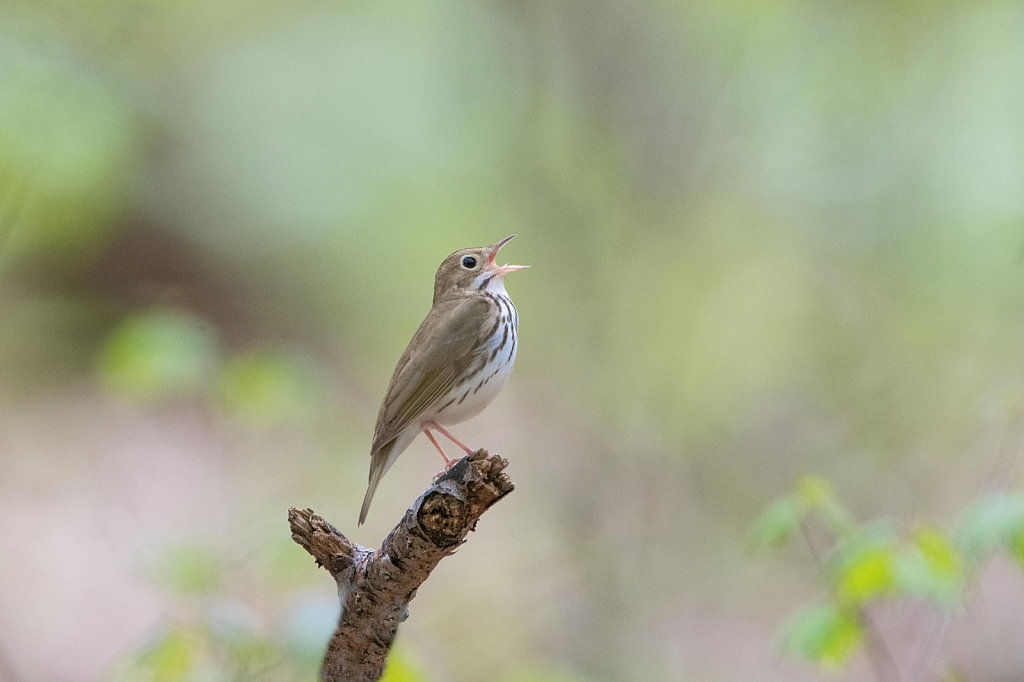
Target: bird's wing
(444, 346)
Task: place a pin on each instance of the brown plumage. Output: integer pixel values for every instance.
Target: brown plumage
(456, 362)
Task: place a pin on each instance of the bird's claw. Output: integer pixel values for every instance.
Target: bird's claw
(447, 467)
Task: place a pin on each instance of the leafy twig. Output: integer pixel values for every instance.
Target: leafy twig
(878, 654)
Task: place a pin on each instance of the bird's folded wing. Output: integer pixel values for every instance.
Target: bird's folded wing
(440, 352)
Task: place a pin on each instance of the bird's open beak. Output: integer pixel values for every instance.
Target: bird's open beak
(506, 268)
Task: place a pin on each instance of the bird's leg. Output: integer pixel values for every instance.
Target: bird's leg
(447, 462)
(438, 427)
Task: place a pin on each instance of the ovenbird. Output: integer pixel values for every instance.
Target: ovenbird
(457, 361)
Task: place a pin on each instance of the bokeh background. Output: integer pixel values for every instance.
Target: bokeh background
(767, 238)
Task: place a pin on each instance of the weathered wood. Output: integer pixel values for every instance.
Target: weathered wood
(375, 587)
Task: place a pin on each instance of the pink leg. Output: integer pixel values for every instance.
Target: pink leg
(438, 427)
(447, 462)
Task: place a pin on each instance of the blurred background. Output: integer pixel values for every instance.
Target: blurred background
(767, 239)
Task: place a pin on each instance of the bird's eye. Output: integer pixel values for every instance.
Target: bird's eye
(469, 262)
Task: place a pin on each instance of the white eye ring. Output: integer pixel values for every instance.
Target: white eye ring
(469, 262)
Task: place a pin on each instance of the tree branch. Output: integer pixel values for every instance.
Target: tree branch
(375, 587)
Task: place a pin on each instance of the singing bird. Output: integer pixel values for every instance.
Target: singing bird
(456, 363)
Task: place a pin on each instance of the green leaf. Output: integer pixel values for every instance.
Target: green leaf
(824, 635)
(864, 566)
(931, 567)
(816, 493)
(777, 522)
(997, 519)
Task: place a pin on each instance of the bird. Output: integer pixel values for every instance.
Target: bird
(456, 363)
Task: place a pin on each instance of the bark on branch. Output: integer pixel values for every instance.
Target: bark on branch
(375, 587)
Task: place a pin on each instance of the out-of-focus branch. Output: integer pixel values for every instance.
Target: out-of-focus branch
(375, 587)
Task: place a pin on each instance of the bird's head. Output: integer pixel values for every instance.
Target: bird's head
(470, 270)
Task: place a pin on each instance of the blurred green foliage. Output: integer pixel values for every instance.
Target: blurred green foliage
(173, 657)
(400, 668)
(826, 635)
(69, 144)
(268, 386)
(864, 565)
(219, 637)
(993, 521)
(192, 653)
(777, 523)
(159, 354)
(197, 653)
(867, 563)
(931, 567)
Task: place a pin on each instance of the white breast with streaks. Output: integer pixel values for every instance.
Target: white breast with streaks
(471, 395)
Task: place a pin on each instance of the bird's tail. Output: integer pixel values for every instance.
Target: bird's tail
(378, 467)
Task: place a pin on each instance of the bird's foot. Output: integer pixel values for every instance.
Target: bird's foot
(447, 467)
